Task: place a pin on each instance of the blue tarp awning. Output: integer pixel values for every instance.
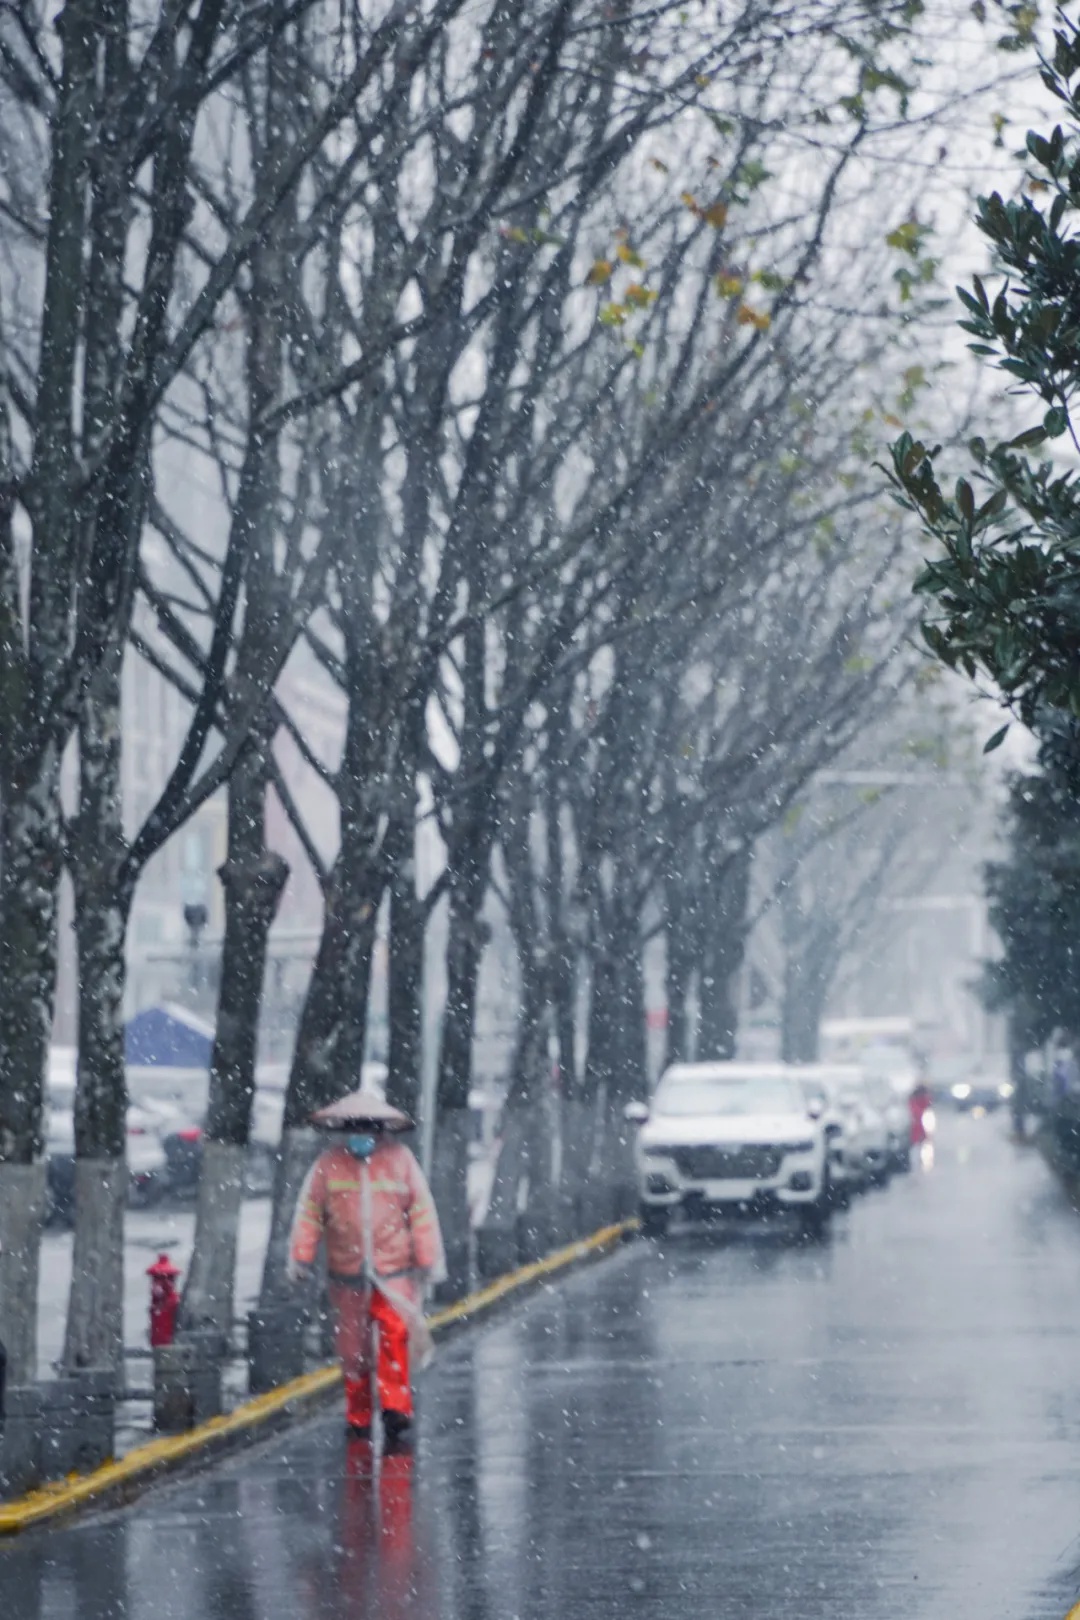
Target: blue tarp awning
(168, 1037)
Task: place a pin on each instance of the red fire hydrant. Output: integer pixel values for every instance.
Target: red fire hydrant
(164, 1300)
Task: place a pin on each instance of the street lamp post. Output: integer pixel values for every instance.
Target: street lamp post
(196, 917)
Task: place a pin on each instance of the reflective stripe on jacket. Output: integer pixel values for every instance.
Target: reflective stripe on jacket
(404, 1233)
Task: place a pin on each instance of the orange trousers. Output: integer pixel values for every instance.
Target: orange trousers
(372, 1344)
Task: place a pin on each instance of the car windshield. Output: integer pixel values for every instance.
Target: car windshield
(729, 1097)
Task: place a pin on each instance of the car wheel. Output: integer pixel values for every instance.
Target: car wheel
(654, 1221)
(814, 1220)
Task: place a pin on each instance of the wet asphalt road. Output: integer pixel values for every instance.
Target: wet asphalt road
(885, 1426)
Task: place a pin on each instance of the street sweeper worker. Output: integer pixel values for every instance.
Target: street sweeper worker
(366, 1196)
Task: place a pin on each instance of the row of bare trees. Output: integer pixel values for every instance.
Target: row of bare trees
(526, 348)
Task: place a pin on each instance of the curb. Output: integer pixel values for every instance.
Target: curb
(126, 1478)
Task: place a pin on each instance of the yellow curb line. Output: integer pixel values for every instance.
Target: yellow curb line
(484, 1298)
(160, 1456)
(1074, 1612)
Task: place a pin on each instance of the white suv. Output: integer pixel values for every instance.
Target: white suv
(733, 1138)
(837, 1086)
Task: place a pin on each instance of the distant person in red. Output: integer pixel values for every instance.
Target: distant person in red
(367, 1199)
(920, 1103)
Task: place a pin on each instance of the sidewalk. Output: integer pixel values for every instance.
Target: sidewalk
(167, 1228)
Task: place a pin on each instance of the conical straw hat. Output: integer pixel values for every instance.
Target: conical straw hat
(361, 1107)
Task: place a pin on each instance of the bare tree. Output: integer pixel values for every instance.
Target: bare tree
(426, 461)
(850, 847)
(110, 292)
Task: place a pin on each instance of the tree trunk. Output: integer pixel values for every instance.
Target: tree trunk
(718, 1034)
(362, 894)
(450, 1169)
(562, 957)
(299, 1147)
(727, 893)
(323, 1066)
(329, 1049)
(95, 1319)
(526, 1122)
(806, 987)
(538, 1228)
(683, 937)
(683, 943)
(676, 1046)
(22, 1213)
(406, 946)
(497, 1242)
(629, 1080)
(615, 1068)
(29, 880)
(811, 958)
(406, 976)
(326, 1061)
(468, 858)
(253, 878)
(567, 1107)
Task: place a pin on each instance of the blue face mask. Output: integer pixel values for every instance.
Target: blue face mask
(360, 1144)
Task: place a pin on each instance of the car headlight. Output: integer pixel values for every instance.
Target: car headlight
(1006, 1088)
(960, 1090)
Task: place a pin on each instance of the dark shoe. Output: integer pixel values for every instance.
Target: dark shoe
(397, 1428)
(358, 1431)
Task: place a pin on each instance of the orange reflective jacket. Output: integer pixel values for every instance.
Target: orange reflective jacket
(404, 1228)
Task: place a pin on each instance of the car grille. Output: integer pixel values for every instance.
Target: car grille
(728, 1163)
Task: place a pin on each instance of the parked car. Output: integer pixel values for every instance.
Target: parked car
(184, 1154)
(730, 1138)
(147, 1167)
(889, 1125)
(876, 1131)
(183, 1159)
(850, 1145)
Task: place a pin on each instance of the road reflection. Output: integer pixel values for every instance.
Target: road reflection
(379, 1572)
